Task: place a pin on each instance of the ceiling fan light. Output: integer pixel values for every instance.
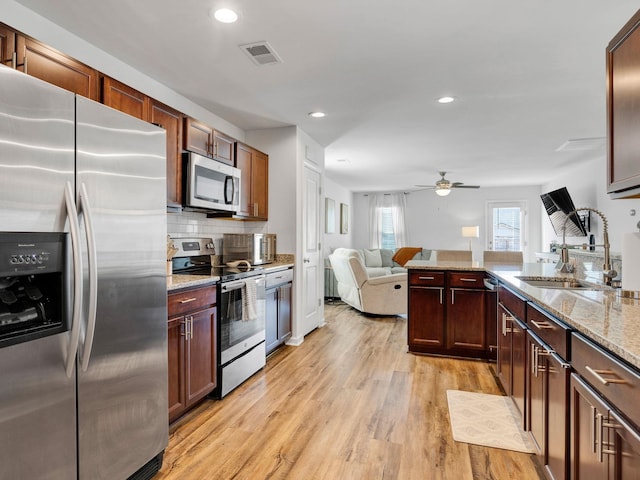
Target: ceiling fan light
(443, 192)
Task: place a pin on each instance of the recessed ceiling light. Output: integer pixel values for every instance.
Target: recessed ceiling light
(446, 99)
(225, 15)
(317, 114)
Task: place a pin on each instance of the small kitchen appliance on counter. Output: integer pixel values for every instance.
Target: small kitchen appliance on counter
(257, 248)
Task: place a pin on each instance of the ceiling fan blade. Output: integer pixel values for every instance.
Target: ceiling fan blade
(465, 186)
(425, 187)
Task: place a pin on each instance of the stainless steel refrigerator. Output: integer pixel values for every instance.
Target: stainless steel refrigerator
(90, 401)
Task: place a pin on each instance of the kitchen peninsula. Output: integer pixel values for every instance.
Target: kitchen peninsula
(568, 355)
(598, 314)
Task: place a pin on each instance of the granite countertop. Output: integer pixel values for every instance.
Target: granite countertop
(599, 314)
(178, 282)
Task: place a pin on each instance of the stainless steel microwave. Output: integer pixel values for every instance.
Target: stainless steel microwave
(210, 185)
(257, 248)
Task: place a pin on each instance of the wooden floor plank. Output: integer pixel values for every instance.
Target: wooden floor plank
(349, 403)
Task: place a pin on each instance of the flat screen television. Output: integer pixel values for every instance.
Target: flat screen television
(559, 205)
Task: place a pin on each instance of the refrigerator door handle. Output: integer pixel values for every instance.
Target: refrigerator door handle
(84, 206)
(74, 331)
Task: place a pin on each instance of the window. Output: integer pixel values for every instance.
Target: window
(388, 236)
(387, 220)
(506, 226)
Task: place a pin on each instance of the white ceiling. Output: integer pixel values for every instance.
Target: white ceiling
(528, 75)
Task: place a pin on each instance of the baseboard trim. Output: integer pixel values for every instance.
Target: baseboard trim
(294, 341)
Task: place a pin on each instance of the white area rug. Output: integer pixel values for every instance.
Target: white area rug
(488, 420)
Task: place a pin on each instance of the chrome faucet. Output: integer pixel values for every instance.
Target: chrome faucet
(608, 273)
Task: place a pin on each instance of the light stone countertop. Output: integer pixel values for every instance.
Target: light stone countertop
(178, 282)
(600, 315)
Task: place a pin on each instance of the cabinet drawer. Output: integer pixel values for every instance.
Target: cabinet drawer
(278, 278)
(191, 300)
(428, 278)
(617, 382)
(466, 280)
(554, 333)
(512, 302)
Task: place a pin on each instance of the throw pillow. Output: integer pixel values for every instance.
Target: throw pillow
(386, 254)
(372, 258)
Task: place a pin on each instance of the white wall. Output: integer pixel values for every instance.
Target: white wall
(38, 27)
(280, 144)
(587, 186)
(340, 195)
(435, 222)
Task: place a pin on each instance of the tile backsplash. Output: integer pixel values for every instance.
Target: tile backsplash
(195, 224)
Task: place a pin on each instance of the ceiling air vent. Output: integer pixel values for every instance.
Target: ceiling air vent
(261, 53)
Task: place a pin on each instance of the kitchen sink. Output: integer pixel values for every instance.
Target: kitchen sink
(559, 282)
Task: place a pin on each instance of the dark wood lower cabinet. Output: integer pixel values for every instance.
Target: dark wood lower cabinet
(192, 345)
(426, 318)
(519, 366)
(556, 457)
(547, 406)
(503, 365)
(447, 313)
(201, 355)
(466, 327)
(176, 343)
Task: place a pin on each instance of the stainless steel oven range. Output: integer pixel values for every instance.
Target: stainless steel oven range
(241, 315)
(241, 305)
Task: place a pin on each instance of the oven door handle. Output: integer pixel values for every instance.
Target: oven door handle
(230, 286)
(85, 207)
(74, 331)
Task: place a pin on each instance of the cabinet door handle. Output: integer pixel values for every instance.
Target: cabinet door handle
(426, 278)
(469, 280)
(506, 318)
(599, 437)
(542, 325)
(592, 430)
(14, 60)
(189, 300)
(605, 381)
(185, 332)
(533, 359)
(191, 327)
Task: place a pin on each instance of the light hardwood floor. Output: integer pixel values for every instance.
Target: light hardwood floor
(349, 403)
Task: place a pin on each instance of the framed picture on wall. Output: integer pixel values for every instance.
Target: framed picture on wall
(344, 218)
(329, 215)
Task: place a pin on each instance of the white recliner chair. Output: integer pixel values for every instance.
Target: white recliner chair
(383, 295)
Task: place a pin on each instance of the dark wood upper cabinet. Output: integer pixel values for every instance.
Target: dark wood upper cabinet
(223, 147)
(171, 120)
(126, 99)
(623, 112)
(254, 186)
(45, 63)
(8, 54)
(205, 140)
(198, 137)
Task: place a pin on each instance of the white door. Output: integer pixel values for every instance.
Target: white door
(311, 248)
(506, 226)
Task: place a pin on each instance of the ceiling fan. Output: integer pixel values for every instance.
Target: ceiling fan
(443, 186)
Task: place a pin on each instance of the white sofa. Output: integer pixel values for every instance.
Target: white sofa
(379, 261)
(384, 294)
